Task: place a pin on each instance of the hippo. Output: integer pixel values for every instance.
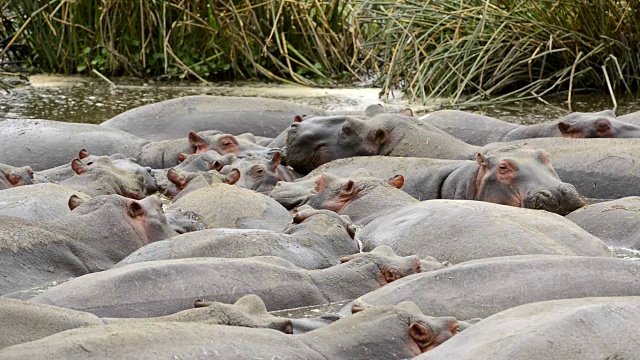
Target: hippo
(515, 175)
(316, 240)
(96, 235)
(616, 222)
(241, 145)
(181, 183)
(260, 174)
(481, 130)
(481, 288)
(392, 217)
(193, 163)
(569, 329)
(63, 172)
(226, 206)
(374, 334)
(38, 202)
(156, 288)
(172, 119)
(316, 140)
(24, 321)
(11, 176)
(102, 177)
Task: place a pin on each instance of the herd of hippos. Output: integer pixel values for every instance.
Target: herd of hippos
(173, 230)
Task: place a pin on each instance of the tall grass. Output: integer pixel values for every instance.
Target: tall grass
(309, 42)
(473, 51)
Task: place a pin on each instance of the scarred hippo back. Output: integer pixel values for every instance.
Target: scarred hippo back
(173, 119)
(43, 144)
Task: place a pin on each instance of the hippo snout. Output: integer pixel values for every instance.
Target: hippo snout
(562, 200)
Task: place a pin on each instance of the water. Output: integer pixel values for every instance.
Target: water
(80, 99)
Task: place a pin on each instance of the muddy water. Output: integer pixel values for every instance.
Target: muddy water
(77, 99)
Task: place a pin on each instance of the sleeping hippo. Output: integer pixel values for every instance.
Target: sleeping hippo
(481, 130)
(173, 119)
(316, 240)
(569, 329)
(93, 237)
(316, 140)
(157, 288)
(481, 288)
(373, 334)
(433, 227)
(11, 176)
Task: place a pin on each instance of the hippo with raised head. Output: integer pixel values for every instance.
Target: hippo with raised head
(316, 140)
(480, 130)
(103, 177)
(570, 329)
(615, 222)
(172, 119)
(226, 206)
(11, 176)
(394, 218)
(316, 240)
(96, 234)
(373, 334)
(156, 288)
(481, 288)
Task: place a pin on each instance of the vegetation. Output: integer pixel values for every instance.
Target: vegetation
(467, 51)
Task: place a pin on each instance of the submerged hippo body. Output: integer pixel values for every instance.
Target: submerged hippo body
(314, 141)
(317, 240)
(616, 222)
(571, 329)
(157, 288)
(38, 202)
(173, 119)
(93, 237)
(481, 288)
(481, 130)
(227, 206)
(371, 334)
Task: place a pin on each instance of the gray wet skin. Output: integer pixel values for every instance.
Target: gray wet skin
(314, 141)
(103, 177)
(481, 288)
(157, 288)
(391, 217)
(93, 237)
(37, 202)
(370, 334)
(316, 240)
(572, 329)
(480, 130)
(11, 176)
(616, 222)
(233, 115)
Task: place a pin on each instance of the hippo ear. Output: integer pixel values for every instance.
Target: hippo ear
(135, 210)
(78, 166)
(348, 188)
(275, 160)
(406, 112)
(179, 180)
(216, 165)
(347, 258)
(182, 157)
(195, 139)
(74, 202)
(564, 127)
(422, 335)
(232, 177)
(397, 181)
(298, 118)
(379, 136)
(356, 308)
(482, 159)
(83, 154)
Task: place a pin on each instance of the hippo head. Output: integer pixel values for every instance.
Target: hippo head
(181, 180)
(426, 331)
(392, 267)
(110, 212)
(206, 161)
(221, 143)
(128, 179)
(184, 221)
(601, 124)
(257, 173)
(327, 191)
(306, 212)
(316, 140)
(11, 176)
(522, 177)
(248, 311)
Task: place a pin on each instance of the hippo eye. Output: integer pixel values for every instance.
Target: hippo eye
(90, 163)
